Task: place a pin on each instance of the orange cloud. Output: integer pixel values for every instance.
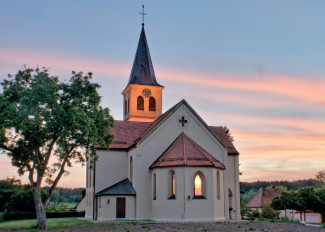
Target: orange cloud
(65, 63)
(263, 154)
(297, 88)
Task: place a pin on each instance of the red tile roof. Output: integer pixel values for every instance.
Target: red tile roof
(126, 132)
(129, 133)
(263, 196)
(185, 152)
(220, 132)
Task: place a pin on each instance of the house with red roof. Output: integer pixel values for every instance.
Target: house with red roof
(168, 166)
(265, 195)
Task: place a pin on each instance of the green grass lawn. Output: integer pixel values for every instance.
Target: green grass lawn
(52, 223)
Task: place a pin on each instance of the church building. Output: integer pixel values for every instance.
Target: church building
(168, 166)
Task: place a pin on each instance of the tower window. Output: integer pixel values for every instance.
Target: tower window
(152, 104)
(140, 103)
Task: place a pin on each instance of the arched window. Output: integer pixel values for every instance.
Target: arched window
(230, 203)
(131, 169)
(171, 185)
(152, 104)
(154, 187)
(140, 103)
(199, 186)
(218, 185)
(126, 103)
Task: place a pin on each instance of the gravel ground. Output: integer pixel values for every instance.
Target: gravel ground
(213, 226)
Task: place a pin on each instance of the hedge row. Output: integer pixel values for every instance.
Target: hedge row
(32, 215)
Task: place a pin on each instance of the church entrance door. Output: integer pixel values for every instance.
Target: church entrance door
(120, 207)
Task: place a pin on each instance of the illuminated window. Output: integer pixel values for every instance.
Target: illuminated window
(140, 103)
(152, 104)
(199, 186)
(171, 185)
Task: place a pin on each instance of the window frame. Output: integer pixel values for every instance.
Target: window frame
(203, 186)
(140, 103)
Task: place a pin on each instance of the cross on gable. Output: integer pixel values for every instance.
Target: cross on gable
(183, 121)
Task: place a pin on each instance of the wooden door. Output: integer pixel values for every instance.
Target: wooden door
(120, 207)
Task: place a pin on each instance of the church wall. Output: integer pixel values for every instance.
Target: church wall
(111, 168)
(219, 203)
(156, 143)
(232, 184)
(197, 131)
(164, 208)
(107, 210)
(202, 209)
(184, 207)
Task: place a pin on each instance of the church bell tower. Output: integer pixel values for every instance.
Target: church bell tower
(143, 94)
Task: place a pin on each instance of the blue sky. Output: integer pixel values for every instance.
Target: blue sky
(255, 66)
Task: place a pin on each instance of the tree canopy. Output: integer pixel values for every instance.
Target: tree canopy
(306, 198)
(46, 125)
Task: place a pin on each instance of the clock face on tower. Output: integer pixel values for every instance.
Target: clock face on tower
(146, 93)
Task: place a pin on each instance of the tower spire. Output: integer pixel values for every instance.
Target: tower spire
(142, 72)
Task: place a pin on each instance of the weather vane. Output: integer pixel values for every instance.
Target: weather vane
(143, 14)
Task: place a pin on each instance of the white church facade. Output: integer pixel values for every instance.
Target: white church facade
(167, 166)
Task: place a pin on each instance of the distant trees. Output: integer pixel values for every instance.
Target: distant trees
(289, 185)
(226, 129)
(15, 197)
(47, 125)
(306, 198)
(320, 177)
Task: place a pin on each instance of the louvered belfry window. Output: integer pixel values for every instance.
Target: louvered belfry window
(152, 104)
(140, 103)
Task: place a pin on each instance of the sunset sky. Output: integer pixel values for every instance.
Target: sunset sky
(256, 66)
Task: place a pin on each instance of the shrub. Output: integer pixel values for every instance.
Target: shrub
(269, 212)
(32, 215)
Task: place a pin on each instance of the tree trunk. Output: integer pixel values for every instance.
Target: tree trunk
(40, 210)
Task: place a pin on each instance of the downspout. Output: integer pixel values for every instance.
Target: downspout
(94, 196)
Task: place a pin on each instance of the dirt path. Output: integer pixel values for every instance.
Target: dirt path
(224, 227)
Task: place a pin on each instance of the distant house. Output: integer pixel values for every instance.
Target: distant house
(262, 197)
(81, 204)
(304, 217)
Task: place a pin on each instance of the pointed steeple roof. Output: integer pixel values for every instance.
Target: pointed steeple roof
(185, 152)
(142, 72)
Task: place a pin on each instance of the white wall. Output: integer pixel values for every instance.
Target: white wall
(111, 168)
(157, 142)
(107, 211)
(184, 207)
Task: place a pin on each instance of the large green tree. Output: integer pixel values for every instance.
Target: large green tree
(46, 125)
